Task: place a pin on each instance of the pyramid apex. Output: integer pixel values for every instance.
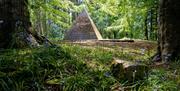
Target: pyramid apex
(83, 28)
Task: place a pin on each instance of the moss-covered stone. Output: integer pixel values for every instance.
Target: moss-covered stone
(125, 70)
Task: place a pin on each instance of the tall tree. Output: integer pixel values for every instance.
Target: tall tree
(15, 25)
(169, 29)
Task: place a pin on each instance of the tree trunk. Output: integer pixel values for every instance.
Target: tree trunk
(169, 32)
(15, 25)
(146, 28)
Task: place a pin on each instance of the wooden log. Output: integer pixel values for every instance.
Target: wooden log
(116, 40)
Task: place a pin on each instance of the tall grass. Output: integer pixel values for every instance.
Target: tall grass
(31, 69)
(72, 68)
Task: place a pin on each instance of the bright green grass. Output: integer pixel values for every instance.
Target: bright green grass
(74, 68)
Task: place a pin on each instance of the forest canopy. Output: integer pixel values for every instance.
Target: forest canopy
(114, 18)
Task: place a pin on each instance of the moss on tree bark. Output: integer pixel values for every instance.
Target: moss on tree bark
(169, 29)
(15, 25)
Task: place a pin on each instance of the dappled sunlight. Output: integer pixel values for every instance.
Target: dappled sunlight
(89, 45)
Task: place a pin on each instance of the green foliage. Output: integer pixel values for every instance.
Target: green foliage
(120, 18)
(50, 17)
(77, 68)
(159, 79)
(68, 66)
(55, 10)
(114, 18)
(29, 68)
(32, 68)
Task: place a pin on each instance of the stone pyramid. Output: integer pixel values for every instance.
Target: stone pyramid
(83, 29)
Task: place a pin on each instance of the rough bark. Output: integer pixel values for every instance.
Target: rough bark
(15, 25)
(169, 29)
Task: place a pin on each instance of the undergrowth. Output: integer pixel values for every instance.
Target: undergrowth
(74, 68)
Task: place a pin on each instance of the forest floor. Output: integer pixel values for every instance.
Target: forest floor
(82, 66)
